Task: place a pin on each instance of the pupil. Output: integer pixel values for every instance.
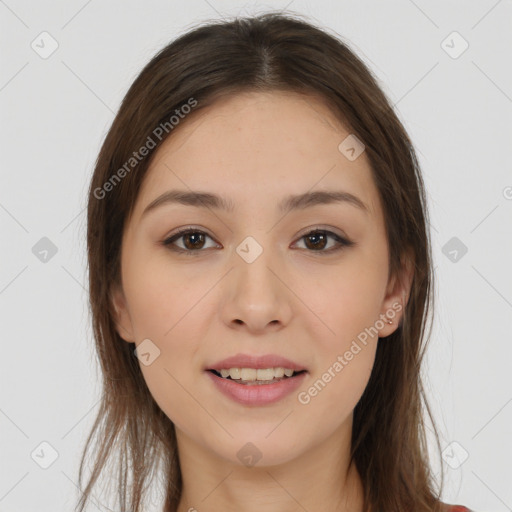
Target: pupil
(316, 236)
(192, 235)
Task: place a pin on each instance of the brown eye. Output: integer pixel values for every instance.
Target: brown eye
(193, 241)
(317, 241)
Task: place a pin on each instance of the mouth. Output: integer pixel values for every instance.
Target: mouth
(259, 387)
(257, 377)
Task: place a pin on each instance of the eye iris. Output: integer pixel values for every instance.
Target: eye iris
(187, 236)
(316, 236)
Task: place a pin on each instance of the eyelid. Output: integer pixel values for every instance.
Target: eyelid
(326, 229)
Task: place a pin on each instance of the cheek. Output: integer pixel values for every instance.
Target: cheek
(340, 379)
(347, 306)
(346, 300)
(164, 297)
(166, 307)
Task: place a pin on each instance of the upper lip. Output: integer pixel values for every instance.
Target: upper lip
(254, 361)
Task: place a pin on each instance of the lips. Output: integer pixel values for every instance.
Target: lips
(256, 362)
(256, 394)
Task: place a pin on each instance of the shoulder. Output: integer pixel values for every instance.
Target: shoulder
(456, 508)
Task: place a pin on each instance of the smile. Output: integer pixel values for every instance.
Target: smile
(256, 387)
(248, 375)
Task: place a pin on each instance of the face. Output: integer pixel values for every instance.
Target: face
(308, 282)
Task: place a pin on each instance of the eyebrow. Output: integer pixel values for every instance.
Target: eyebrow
(292, 202)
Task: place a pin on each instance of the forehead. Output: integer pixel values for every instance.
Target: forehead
(259, 146)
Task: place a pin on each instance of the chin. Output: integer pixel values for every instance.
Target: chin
(253, 449)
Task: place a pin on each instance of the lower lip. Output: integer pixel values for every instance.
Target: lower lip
(258, 394)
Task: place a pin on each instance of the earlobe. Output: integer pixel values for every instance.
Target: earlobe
(397, 294)
(122, 318)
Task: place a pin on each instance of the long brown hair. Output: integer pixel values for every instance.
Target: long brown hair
(262, 53)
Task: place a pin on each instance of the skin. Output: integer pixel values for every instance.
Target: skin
(255, 149)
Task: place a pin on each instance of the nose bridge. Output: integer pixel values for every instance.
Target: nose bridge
(256, 295)
(254, 259)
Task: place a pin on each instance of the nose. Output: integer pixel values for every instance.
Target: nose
(256, 296)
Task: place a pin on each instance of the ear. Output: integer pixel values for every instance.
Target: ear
(397, 295)
(122, 318)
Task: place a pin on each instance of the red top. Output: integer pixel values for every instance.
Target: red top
(459, 508)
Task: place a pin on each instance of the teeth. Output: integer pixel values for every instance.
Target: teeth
(252, 374)
(264, 374)
(278, 372)
(235, 374)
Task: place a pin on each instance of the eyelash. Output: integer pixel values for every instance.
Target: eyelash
(343, 242)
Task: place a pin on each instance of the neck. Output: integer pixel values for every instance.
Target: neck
(318, 479)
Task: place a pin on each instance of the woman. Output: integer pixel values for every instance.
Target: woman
(260, 281)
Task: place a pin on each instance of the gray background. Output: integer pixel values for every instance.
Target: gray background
(55, 112)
